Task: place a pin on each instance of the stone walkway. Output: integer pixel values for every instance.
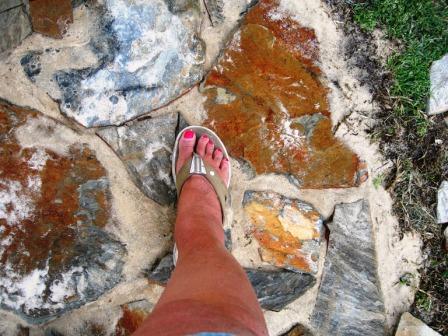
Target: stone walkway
(89, 111)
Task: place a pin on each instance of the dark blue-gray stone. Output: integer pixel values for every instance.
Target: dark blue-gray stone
(276, 289)
(31, 64)
(145, 147)
(215, 11)
(349, 301)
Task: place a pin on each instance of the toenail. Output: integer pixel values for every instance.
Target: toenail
(218, 150)
(204, 137)
(188, 134)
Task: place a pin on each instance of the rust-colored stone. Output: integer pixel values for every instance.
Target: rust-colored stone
(51, 17)
(266, 100)
(133, 316)
(50, 227)
(53, 207)
(288, 231)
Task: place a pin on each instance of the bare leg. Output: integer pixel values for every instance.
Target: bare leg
(208, 290)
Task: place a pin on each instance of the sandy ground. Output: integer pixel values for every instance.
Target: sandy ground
(145, 226)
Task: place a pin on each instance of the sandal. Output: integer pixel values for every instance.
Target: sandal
(196, 166)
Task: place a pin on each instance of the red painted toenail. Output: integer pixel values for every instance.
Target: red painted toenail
(218, 150)
(204, 137)
(188, 134)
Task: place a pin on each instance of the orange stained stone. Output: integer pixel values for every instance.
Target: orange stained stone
(51, 17)
(266, 100)
(130, 321)
(46, 199)
(288, 231)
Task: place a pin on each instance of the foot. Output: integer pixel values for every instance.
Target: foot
(205, 148)
(199, 209)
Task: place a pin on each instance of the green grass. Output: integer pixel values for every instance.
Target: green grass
(421, 27)
(407, 135)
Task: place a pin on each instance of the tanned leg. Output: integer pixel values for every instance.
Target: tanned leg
(208, 290)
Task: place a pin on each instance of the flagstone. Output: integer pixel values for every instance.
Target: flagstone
(51, 17)
(288, 231)
(145, 147)
(133, 315)
(349, 301)
(131, 67)
(267, 100)
(55, 253)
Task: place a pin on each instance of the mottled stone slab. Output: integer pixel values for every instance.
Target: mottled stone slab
(267, 101)
(215, 10)
(411, 326)
(298, 330)
(274, 288)
(442, 203)
(55, 253)
(51, 17)
(133, 315)
(349, 301)
(145, 54)
(146, 147)
(289, 231)
(8, 4)
(438, 100)
(14, 27)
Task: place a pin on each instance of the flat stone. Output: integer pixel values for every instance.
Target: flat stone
(288, 231)
(133, 315)
(8, 4)
(161, 273)
(267, 101)
(55, 254)
(146, 147)
(14, 25)
(349, 301)
(442, 203)
(411, 326)
(438, 100)
(298, 330)
(51, 17)
(144, 54)
(215, 11)
(274, 288)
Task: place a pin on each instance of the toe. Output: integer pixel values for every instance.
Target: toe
(224, 169)
(202, 144)
(217, 156)
(209, 150)
(186, 147)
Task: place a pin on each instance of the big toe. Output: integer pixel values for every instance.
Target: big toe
(186, 148)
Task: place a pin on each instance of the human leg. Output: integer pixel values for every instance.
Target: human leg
(208, 290)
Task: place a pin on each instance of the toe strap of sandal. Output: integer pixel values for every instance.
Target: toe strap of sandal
(197, 166)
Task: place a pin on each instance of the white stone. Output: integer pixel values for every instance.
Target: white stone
(438, 101)
(411, 326)
(442, 203)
